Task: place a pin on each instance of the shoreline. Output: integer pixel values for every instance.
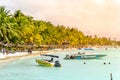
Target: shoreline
(8, 58)
(4, 59)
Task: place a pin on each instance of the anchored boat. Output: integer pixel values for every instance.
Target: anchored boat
(84, 56)
(49, 62)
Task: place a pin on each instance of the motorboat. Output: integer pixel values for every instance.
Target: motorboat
(48, 62)
(85, 55)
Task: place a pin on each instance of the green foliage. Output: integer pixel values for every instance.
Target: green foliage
(19, 28)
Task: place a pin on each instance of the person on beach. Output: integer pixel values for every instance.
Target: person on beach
(29, 51)
(7, 52)
(3, 51)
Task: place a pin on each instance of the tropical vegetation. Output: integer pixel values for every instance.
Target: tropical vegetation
(21, 29)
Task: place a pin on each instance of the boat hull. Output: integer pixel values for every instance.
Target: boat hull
(85, 56)
(44, 63)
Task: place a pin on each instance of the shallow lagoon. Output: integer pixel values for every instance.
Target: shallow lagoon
(94, 69)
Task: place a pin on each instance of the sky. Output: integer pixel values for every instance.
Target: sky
(92, 17)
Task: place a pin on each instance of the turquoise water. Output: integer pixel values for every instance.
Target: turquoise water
(94, 69)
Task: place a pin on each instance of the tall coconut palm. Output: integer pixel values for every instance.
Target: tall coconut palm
(7, 31)
(4, 22)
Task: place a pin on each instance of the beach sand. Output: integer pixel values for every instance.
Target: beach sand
(4, 59)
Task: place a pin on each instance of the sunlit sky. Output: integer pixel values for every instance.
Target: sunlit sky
(100, 17)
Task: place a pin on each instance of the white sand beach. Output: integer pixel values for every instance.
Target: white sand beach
(17, 55)
(5, 58)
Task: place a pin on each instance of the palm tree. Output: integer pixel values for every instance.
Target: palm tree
(4, 24)
(7, 26)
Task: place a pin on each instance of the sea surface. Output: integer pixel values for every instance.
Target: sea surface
(94, 69)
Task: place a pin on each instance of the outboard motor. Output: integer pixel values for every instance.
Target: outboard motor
(57, 64)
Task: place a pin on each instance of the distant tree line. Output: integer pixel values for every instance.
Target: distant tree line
(18, 28)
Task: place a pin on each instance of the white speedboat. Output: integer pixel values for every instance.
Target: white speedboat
(85, 55)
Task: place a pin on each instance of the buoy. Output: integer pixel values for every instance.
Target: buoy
(104, 63)
(84, 63)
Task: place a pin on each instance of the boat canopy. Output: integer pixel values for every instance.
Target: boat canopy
(50, 55)
(88, 49)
